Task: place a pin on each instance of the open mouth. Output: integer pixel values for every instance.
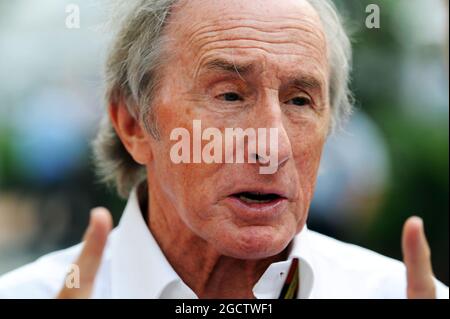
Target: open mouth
(257, 197)
(257, 205)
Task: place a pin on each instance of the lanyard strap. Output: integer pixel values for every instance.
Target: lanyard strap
(290, 287)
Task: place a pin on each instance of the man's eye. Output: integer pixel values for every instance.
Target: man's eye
(300, 101)
(230, 97)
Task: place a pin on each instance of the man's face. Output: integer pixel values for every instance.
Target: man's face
(243, 64)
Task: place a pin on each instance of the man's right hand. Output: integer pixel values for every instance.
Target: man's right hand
(95, 237)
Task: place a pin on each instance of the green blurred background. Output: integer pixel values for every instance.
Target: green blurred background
(389, 163)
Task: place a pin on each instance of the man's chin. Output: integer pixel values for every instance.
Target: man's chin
(254, 244)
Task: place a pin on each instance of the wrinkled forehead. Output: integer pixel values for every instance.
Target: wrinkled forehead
(202, 12)
(284, 29)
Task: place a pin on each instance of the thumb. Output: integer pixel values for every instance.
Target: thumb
(87, 264)
(417, 258)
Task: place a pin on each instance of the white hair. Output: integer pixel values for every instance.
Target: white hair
(135, 56)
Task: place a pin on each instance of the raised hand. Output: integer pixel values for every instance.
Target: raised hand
(100, 225)
(417, 258)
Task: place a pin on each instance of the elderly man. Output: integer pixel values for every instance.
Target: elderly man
(215, 228)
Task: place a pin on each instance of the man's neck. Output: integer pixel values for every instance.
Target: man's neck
(207, 272)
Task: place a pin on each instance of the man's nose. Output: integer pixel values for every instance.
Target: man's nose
(268, 115)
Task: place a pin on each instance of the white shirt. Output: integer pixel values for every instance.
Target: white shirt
(133, 266)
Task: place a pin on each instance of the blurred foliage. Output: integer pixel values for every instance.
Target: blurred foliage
(418, 142)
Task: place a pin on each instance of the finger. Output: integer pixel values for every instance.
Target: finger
(417, 258)
(100, 224)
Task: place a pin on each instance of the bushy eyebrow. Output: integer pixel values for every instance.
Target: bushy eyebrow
(229, 66)
(302, 80)
(306, 82)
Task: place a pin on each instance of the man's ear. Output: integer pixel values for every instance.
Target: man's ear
(131, 133)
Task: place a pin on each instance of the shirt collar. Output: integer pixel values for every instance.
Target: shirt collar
(271, 282)
(140, 269)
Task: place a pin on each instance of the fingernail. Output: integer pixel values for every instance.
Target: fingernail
(93, 212)
(421, 228)
(91, 216)
(418, 221)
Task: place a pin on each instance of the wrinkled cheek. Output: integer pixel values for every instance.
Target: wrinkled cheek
(307, 158)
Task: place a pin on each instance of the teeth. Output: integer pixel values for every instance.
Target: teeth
(253, 201)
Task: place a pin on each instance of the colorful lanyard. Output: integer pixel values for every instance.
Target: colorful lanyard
(290, 287)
